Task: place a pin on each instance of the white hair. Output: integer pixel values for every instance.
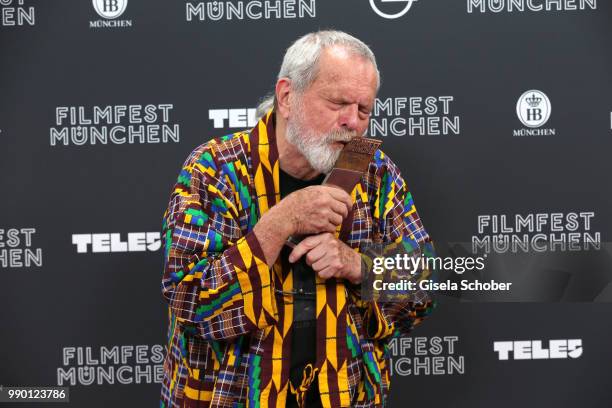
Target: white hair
(301, 61)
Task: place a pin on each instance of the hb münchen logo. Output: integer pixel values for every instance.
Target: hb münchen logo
(533, 108)
(110, 8)
(389, 12)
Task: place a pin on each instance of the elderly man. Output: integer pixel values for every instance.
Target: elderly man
(251, 321)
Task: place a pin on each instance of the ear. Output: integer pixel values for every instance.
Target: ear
(283, 91)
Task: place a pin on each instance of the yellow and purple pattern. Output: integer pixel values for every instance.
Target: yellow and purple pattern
(229, 334)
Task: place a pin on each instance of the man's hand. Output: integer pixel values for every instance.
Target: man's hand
(311, 210)
(329, 257)
(315, 209)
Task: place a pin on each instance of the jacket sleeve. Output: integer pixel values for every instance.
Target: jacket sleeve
(398, 223)
(215, 277)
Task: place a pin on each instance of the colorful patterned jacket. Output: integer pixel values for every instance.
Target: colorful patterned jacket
(229, 334)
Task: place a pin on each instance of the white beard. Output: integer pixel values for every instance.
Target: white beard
(316, 148)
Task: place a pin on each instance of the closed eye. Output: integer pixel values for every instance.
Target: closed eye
(339, 104)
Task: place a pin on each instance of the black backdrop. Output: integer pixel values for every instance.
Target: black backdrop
(73, 294)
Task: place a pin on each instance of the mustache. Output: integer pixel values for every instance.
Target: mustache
(341, 135)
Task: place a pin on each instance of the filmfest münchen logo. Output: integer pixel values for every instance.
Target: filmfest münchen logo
(528, 6)
(17, 249)
(117, 364)
(237, 10)
(417, 356)
(390, 7)
(536, 232)
(16, 13)
(417, 115)
(114, 124)
(533, 109)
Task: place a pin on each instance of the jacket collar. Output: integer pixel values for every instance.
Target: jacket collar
(264, 162)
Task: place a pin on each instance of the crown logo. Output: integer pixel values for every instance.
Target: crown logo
(533, 100)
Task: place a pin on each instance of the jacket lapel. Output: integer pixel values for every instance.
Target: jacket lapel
(264, 156)
(331, 300)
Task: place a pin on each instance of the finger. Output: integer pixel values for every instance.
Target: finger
(341, 196)
(335, 219)
(326, 273)
(316, 254)
(339, 208)
(321, 264)
(303, 247)
(331, 228)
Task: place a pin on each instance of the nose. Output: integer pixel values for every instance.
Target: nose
(349, 116)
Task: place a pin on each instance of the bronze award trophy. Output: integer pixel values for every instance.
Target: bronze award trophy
(351, 165)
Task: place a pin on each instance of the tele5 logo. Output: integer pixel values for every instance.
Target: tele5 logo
(534, 350)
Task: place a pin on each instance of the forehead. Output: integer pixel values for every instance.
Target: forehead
(344, 72)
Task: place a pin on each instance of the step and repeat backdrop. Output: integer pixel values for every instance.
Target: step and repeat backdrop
(498, 112)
